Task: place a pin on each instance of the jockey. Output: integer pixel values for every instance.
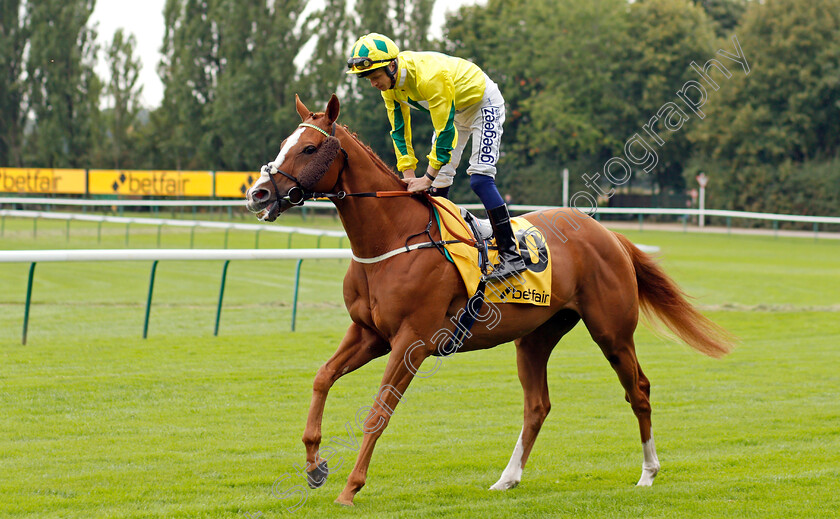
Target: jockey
(462, 101)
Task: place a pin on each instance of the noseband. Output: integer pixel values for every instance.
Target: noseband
(299, 193)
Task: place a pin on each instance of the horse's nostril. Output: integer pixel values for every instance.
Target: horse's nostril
(260, 194)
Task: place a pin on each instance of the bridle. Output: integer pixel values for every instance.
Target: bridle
(298, 194)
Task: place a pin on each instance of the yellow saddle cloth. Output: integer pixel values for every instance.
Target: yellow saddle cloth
(532, 286)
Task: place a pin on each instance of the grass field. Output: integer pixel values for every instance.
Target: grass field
(97, 422)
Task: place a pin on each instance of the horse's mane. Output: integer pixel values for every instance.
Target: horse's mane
(376, 159)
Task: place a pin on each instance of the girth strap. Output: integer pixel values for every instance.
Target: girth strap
(466, 320)
(407, 248)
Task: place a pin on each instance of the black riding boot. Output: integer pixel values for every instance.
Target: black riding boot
(510, 262)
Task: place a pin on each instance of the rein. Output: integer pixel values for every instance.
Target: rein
(299, 194)
(393, 194)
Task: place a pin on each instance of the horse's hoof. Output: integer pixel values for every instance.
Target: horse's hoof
(504, 485)
(648, 473)
(316, 477)
(342, 502)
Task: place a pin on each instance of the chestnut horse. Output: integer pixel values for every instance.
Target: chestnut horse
(399, 301)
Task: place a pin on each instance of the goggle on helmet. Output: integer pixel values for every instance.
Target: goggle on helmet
(370, 52)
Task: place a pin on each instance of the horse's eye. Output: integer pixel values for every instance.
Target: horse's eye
(309, 150)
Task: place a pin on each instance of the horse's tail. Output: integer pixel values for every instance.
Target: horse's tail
(660, 297)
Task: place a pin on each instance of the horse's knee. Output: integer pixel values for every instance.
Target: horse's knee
(323, 380)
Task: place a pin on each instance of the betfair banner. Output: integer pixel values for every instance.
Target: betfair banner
(234, 184)
(42, 180)
(150, 183)
(157, 183)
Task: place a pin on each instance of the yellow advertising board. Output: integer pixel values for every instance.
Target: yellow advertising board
(42, 180)
(234, 184)
(150, 183)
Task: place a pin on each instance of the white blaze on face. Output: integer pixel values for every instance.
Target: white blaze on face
(281, 157)
(290, 142)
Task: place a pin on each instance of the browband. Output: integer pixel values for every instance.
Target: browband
(319, 129)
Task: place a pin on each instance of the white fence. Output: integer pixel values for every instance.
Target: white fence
(320, 233)
(697, 212)
(40, 256)
(160, 222)
(701, 213)
(155, 255)
(49, 215)
(35, 256)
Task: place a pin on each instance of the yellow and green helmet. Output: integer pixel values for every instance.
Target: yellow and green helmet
(370, 52)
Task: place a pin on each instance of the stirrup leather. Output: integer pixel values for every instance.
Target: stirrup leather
(510, 262)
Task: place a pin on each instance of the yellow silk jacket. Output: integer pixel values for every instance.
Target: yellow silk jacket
(438, 84)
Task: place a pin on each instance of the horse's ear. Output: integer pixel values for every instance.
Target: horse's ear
(332, 109)
(302, 110)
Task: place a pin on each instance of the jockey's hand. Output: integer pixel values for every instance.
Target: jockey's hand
(423, 183)
(408, 175)
(419, 184)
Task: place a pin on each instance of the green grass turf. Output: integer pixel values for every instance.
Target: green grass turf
(98, 422)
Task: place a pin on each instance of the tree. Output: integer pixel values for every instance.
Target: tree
(188, 69)
(243, 123)
(14, 34)
(666, 36)
(558, 66)
(124, 94)
(64, 90)
(725, 13)
(323, 73)
(579, 80)
(786, 109)
(229, 77)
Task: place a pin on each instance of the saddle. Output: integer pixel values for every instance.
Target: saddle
(533, 286)
(481, 228)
